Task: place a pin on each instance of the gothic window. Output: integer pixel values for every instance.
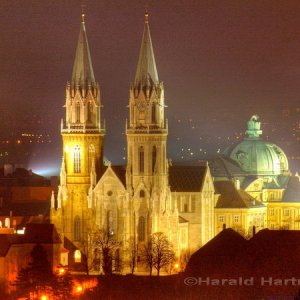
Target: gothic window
(77, 228)
(77, 256)
(78, 112)
(153, 114)
(91, 156)
(76, 159)
(142, 194)
(141, 160)
(110, 229)
(141, 229)
(153, 158)
(89, 112)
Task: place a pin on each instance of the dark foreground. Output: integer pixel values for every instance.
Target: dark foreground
(183, 287)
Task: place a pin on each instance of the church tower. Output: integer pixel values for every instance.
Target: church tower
(82, 136)
(146, 131)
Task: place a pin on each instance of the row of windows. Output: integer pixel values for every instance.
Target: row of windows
(77, 158)
(286, 212)
(142, 159)
(236, 219)
(89, 112)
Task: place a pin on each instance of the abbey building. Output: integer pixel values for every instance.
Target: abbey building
(146, 195)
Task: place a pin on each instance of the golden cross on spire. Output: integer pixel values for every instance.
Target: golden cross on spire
(146, 6)
(82, 11)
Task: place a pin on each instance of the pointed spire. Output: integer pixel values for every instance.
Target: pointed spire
(82, 69)
(146, 71)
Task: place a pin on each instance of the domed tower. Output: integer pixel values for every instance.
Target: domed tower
(257, 157)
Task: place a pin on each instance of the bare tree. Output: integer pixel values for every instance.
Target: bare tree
(107, 244)
(158, 252)
(132, 253)
(148, 255)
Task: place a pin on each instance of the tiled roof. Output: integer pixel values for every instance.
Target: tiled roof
(186, 178)
(26, 209)
(230, 197)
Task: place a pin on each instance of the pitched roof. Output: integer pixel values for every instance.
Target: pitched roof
(292, 193)
(146, 71)
(186, 178)
(121, 173)
(82, 69)
(230, 197)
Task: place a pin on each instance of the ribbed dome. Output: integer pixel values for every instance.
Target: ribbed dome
(256, 156)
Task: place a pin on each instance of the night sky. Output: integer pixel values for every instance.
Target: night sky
(220, 61)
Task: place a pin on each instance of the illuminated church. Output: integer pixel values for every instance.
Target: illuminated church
(146, 195)
(248, 188)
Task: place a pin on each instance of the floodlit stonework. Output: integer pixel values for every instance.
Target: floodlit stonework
(145, 196)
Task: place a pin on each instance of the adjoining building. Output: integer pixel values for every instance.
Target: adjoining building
(259, 168)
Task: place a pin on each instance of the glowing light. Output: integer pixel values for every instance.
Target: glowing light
(61, 271)
(79, 289)
(44, 297)
(176, 266)
(77, 256)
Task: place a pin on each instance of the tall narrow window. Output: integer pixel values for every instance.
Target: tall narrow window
(89, 112)
(110, 229)
(77, 228)
(77, 159)
(153, 158)
(153, 114)
(141, 159)
(91, 156)
(78, 112)
(77, 256)
(141, 229)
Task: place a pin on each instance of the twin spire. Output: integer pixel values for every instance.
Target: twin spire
(146, 72)
(83, 73)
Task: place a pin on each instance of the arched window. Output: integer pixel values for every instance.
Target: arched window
(77, 256)
(91, 156)
(89, 112)
(110, 229)
(142, 193)
(141, 229)
(153, 158)
(77, 228)
(76, 159)
(141, 160)
(153, 114)
(78, 112)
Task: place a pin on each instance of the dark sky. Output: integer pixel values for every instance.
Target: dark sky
(240, 57)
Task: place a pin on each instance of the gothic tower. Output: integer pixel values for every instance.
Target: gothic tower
(146, 130)
(82, 135)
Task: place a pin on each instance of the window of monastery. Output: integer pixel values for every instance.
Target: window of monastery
(141, 160)
(77, 228)
(77, 166)
(286, 212)
(272, 226)
(272, 213)
(141, 229)
(78, 112)
(236, 219)
(193, 204)
(77, 256)
(221, 219)
(90, 112)
(142, 193)
(91, 156)
(153, 114)
(153, 158)
(109, 193)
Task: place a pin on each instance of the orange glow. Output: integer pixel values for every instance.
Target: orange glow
(79, 289)
(44, 297)
(176, 266)
(61, 271)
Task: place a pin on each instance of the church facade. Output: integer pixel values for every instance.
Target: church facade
(145, 196)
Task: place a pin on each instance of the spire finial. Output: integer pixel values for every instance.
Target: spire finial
(146, 13)
(82, 12)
